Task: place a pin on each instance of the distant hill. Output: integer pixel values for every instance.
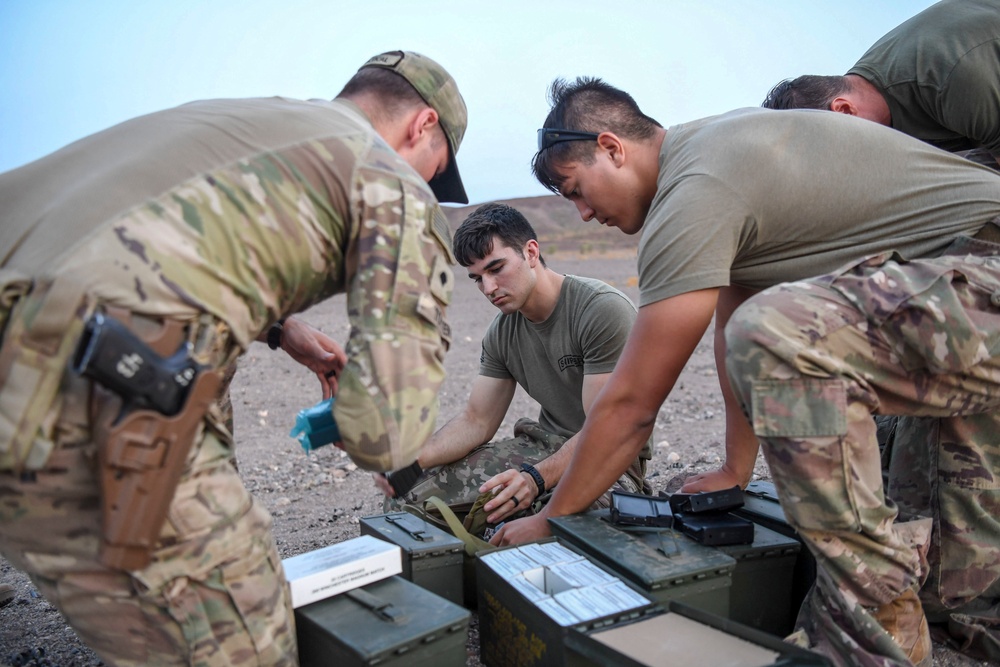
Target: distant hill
(559, 227)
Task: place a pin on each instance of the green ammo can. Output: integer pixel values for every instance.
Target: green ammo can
(761, 505)
(390, 623)
(663, 564)
(432, 558)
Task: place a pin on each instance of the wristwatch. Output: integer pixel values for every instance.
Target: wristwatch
(274, 334)
(535, 475)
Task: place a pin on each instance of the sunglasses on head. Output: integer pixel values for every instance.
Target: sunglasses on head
(550, 137)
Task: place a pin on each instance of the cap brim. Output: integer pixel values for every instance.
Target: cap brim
(447, 186)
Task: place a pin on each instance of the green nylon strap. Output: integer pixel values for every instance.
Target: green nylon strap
(473, 544)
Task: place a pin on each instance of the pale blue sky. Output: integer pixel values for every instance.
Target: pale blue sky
(72, 67)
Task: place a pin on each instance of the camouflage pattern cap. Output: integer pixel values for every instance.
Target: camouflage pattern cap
(440, 91)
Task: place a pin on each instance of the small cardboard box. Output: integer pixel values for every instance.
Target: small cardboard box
(390, 623)
(532, 595)
(339, 567)
(761, 505)
(682, 635)
(664, 565)
(432, 558)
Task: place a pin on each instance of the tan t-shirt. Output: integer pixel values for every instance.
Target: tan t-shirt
(756, 197)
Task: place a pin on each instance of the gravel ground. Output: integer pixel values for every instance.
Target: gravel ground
(317, 500)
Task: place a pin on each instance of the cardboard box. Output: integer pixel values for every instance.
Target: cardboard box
(682, 635)
(432, 558)
(664, 565)
(390, 623)
(531, 596)
(318, 574)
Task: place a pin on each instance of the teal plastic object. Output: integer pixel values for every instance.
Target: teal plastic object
(315, 427)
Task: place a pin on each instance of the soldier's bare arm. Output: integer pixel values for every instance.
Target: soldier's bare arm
(520, 485)
(741, 443)
(622, 417)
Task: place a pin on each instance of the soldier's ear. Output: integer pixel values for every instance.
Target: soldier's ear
(532, 252)
(844, 105)
(421, 123)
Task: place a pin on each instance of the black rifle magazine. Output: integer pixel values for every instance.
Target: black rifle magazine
(635, 509)
(707, 501)
(715, 530)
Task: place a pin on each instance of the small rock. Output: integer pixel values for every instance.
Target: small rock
(673, 457)
(283, 501)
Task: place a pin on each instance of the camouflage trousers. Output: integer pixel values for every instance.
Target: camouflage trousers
(214, 593)
(811, 362)
(458, 483)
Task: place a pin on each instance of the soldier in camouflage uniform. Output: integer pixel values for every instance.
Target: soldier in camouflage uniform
(556, 336)
(216, 219)
(756, 199)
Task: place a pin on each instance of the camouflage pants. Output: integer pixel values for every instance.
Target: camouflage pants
(811, 362)
(458, 483)
(214, 593)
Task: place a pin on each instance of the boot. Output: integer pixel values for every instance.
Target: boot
(904, 620)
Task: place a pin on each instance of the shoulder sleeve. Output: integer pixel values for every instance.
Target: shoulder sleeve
(399, 283)
(494, 351)
(970, 101)
(604, 327)
(691, 238)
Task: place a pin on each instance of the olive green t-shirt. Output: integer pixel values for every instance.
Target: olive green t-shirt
(756, 197)
(940, 74)
(584, 335)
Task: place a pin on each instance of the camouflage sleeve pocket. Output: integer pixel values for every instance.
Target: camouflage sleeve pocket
(797, 408)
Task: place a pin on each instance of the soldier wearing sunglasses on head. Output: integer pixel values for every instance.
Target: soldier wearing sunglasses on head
(741, 223)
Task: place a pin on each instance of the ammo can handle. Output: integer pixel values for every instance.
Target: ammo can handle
(375, 604)
(409, 525)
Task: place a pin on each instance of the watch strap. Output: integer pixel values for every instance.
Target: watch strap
(274, 334)
(535, 475)
(404, 479)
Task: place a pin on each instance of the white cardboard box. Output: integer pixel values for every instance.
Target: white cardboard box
(319, 574)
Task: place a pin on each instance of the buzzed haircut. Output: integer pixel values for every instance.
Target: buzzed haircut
(587, 104)
(810, 91)
(394, 93)
(475, 236)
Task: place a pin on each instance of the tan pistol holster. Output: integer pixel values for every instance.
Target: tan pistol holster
(142, 456)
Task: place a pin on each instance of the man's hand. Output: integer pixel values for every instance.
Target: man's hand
(528, 529)
(513, 484)
(383, 485)
(723, 478)
(316, 351)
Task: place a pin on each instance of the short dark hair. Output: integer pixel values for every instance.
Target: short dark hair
(588, 104)
(474, 237)
(394, 93)
(810, 91)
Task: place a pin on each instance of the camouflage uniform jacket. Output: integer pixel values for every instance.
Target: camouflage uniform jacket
(251, 210)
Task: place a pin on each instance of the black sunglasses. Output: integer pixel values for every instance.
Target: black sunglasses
(549, 137)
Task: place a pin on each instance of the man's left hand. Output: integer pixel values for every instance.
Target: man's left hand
(528, 529)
